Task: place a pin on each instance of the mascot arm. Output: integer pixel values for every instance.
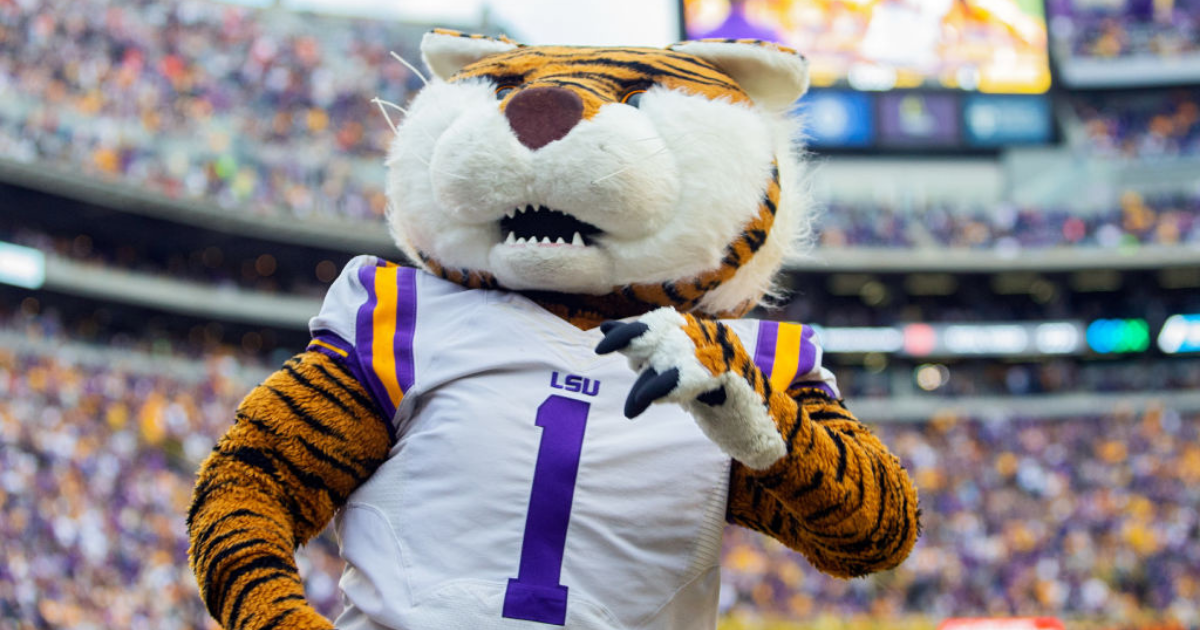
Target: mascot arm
(805, 471)
(838, 496)
(303, 441)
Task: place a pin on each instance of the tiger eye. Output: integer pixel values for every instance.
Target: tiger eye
(503, 91)
(634, 98)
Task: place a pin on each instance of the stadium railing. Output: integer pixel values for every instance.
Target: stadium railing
(178, 296)
(922, 408)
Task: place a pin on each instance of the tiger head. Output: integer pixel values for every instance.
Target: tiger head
(615, 180)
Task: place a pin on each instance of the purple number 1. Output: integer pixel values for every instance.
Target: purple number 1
(535, 594)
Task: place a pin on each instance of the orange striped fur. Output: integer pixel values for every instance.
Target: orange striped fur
(604, 75)
(838, 496)
(302, 442)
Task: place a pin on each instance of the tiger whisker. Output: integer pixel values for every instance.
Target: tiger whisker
(630, 165)
(380, 102)
(428, 165)
(410, 67)
(666, 145)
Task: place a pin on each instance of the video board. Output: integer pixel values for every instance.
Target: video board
(991, 46)
(904, 74)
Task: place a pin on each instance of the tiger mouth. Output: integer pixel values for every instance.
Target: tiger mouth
(543, 226)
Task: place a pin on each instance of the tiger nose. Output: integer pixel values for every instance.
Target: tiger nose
(542, 115)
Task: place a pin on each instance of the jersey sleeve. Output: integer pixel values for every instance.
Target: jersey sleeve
(789, 355)
(368, 322)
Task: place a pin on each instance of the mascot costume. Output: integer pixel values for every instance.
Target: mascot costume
(552, 419)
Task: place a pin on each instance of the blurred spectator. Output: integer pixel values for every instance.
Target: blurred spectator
(1079, 518)
(1141, 125)
(1135, 220)
(97, 455)
(1122, 28)
(253, 110)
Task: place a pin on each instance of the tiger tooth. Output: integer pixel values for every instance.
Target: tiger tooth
(546, 240)
(577, 240)
(512, 238)
(560, 241)
(520, 241)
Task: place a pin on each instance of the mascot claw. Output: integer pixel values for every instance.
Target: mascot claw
(658, 348)
(730, 411)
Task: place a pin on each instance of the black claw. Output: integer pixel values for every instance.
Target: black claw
(619, 335)
(649, 387)
(713, 398)
(631, 410)
(609, 325)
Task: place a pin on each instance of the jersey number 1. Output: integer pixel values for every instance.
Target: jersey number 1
(535, 594)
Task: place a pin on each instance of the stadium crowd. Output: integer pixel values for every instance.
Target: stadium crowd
(1091, 517)
(1142, 125)
(1134, 220)
(1077, 518)
(251, 109)
(1123, 28)
(258, 110)
(97, 453)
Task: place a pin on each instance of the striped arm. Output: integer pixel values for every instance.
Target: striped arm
(836, 493)
(302, 442)
(838, 496)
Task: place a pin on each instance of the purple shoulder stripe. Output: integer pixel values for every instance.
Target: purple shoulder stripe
(764, 351)
(365, 331)
(331, 344)
(808, 353)
(406, 327)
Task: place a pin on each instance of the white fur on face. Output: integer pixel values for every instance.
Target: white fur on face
(669, 183)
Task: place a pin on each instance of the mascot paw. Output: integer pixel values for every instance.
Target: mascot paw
(658, 347)
(701, 365)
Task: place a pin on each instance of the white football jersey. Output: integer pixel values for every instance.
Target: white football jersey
(517, 494)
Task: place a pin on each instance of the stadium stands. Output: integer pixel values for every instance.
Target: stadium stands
(192, 218)
(98, 452)
(262, 113)
(1145, 124)
(1123, 29)
(1126, 43)
(1083, 517)
(1087, 517)
(1134, 220)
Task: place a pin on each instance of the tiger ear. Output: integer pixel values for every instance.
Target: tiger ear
(772, 75)
(446, 51)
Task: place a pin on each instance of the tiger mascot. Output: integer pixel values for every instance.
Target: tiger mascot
(588, 223)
